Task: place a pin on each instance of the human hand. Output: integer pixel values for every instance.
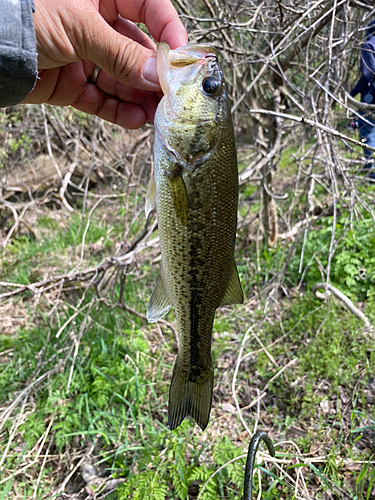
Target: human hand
(74, 36)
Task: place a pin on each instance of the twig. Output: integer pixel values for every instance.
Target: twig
(123, 306)
(25, 392)
(312, 123)
(17, 220)
(235, 373)
(263, 392)
(85, 275)
(13, 431)
(74, 469)
(345, 300)
(66, 180)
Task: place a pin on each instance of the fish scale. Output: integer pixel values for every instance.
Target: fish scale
(195, 190)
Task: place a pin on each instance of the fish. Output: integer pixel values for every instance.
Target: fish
(195, 191)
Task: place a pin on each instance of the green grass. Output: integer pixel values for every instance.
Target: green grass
(111, 399)
(117, 400)
(107, 376)
(353, 261)
(325, 349)
(60, 242)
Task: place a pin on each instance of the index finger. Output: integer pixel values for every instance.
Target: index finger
(159, 16)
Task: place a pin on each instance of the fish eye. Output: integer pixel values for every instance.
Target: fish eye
(210, 85)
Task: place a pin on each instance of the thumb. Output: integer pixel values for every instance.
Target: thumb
(119, 56)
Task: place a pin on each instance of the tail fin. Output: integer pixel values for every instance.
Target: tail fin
(189, 397)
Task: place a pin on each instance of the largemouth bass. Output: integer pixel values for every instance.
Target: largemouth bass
(195, 189)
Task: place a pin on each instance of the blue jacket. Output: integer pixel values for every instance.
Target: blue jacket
(367, 66)
(362, 86)
(18, 56)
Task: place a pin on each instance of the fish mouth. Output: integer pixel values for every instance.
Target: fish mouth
(190, 54)
(182, 57)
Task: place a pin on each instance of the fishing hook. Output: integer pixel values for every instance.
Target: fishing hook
(249, 467)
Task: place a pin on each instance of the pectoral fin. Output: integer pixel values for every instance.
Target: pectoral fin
(233, 294)
(150, 196)
(159, 303)
(179, 196)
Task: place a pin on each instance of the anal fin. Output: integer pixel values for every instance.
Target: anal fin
(233, 293)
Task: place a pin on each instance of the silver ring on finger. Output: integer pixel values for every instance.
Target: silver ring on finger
(94, 75)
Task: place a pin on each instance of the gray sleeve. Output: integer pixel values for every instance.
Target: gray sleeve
(18, 56)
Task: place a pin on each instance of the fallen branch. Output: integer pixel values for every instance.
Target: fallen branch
(95, 483)
(344, 299)
(122, 261)
(293, 231)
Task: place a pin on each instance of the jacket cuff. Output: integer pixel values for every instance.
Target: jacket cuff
(18, 56)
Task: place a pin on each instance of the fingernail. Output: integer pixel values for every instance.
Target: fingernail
(150, 72)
